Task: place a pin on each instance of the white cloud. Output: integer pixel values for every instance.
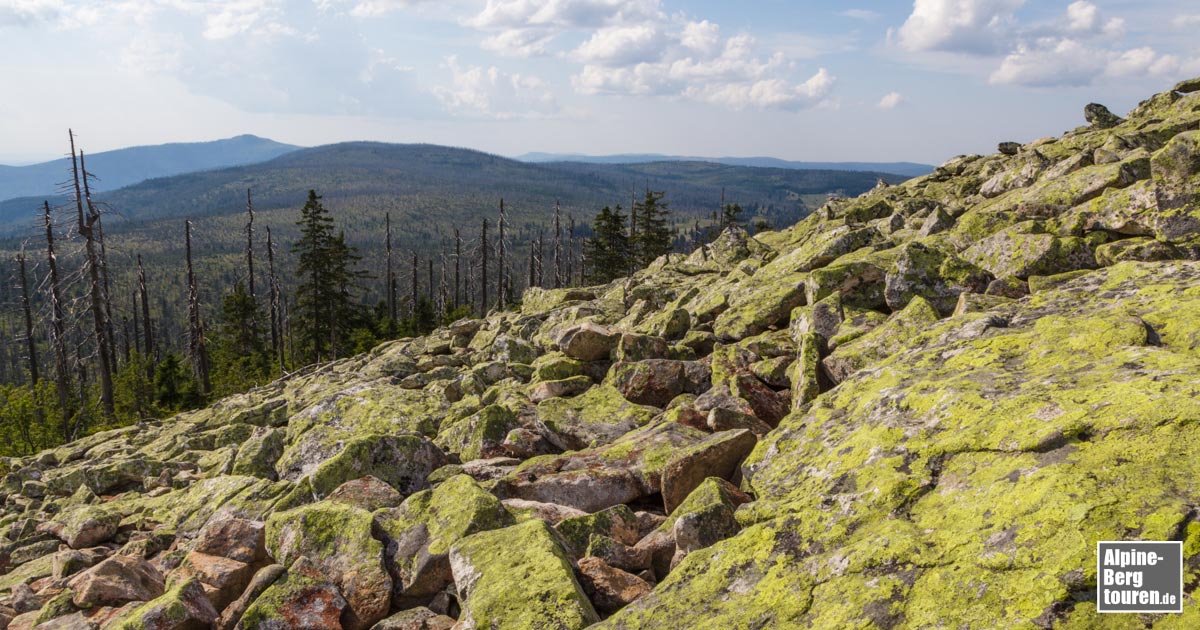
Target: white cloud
(1184, 21)
(27, 12)
(694, 63)
(702, 37)
(622, 45)
(487, 92)
(1068, 62)
(891, 100)
(504, 14)
(519, 43)
(865, 15)
(1077, 48)
(966, 26)
(766, 93)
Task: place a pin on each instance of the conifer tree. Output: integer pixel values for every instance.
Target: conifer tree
(653, 234)
(327, 283)
(607, 251)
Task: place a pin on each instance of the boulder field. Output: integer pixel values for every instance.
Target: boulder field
(919, 408)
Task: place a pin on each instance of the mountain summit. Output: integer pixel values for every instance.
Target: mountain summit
(918, 408)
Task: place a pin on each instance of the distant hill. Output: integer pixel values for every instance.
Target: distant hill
(431, 186)
(120, 168)
(908, 169)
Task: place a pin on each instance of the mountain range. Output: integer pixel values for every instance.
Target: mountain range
(122, 167)
(909, 169)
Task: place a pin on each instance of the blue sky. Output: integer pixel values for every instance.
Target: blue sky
(919, 80)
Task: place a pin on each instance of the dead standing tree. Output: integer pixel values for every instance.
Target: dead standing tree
(58, 335)
(250, 246)
(95, 288)
(30, 340)
(196, 343)
(273, 287)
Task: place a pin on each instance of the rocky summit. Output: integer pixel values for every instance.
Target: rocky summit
(919, 408)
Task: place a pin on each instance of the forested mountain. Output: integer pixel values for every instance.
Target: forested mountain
(123, 167)
(910, 169)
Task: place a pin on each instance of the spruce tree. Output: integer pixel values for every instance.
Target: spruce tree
(607, 251)
(325, 270)
(653, 233)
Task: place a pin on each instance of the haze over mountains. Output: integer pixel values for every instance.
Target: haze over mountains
(909, 169)
(122, 167)
(423, 183)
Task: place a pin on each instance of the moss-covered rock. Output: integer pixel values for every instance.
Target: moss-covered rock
(337, 538)
(302, 598)
(882, 341)
(934, 275)
(518, 577)
(183, 607)
(480, 435)
(403, 461)
(595, 417)
(421, 530)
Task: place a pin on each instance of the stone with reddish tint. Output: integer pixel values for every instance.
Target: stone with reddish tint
(717, 456)
(264, 578)
(609, 588)
(302, 599)
(369, 493)
(420, 618)
(226, 578)
(587, 341)
(184, 607)
(235, 538)
(115, 581)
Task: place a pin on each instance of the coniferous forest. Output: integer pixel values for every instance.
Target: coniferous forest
(94, 337)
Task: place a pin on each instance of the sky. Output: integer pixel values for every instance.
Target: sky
(820, 80)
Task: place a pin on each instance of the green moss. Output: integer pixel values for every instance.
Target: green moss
(598, 416)
(519, 577)
(456, 508)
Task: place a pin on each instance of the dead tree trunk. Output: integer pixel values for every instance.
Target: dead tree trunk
(30, 341)
(558, 262)
(412, 308)
(147, 329)
(442, 288)
(391, 274)
(95, 290)
(108, 316)
(196, 344)
(250, 246)
(571, 251)
(58, 335)
(483, 274)
(273, 288)
(502, 286)
(457, 266)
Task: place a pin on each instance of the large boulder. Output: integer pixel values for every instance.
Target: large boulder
(184, 607)
(518, 577)
(587, 341)
(117, 580)
(598, 416)
(83, 526)
(402, 461)
(420, 531)
(336, 538)
(656, 382)
(932, 274)
(303, 598)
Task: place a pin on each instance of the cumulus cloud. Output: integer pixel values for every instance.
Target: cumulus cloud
(1079, 47)
(967, 26)
(622, 45)
(891, 100)
(488, 92)
(27, 12)
(635, 47)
